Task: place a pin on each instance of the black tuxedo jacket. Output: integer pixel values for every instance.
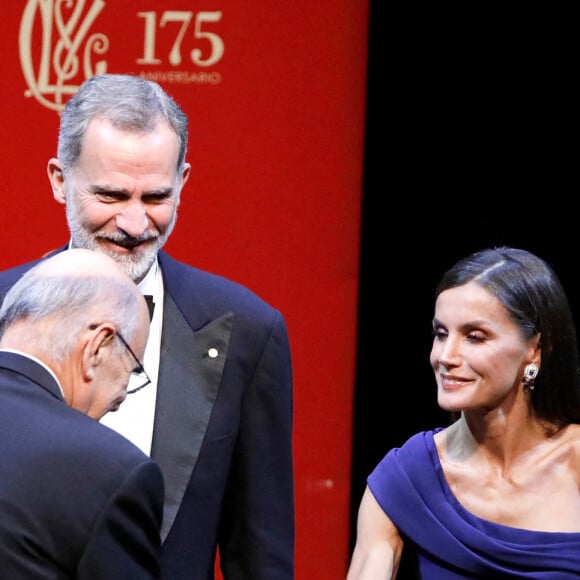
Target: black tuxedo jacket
(223, 429)
(77, 500)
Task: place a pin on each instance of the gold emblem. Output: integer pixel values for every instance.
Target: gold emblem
(65, 51)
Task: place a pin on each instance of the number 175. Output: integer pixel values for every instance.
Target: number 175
(184, 17)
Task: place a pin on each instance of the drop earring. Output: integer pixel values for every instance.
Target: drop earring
(530, 374)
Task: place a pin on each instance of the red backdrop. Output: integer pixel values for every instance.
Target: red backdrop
(275, 93)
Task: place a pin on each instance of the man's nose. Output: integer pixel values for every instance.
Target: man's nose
(133, 219)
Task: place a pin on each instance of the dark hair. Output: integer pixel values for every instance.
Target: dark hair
(533, 295)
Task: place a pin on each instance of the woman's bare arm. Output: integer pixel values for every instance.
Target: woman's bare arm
(378, 549)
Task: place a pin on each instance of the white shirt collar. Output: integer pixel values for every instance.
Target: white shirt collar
(149, 284)
(36, 360)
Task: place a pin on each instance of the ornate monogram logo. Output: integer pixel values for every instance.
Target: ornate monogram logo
(58, 51)
(51, 68)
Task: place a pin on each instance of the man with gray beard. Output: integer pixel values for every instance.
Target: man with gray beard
(217, 416)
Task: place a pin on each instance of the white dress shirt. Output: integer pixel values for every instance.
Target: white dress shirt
(135, 417)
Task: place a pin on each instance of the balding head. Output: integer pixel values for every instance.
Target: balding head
(79, 287)
(79, 262)
(58, 309)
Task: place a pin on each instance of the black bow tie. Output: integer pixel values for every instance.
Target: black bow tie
(150, 304)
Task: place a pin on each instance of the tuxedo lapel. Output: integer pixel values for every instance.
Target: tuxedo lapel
(190, 370)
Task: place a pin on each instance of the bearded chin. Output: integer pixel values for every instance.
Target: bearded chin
(136, 264)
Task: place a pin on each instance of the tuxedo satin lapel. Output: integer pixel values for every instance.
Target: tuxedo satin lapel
(190, 372)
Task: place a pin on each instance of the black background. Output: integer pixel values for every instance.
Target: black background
(471, 141)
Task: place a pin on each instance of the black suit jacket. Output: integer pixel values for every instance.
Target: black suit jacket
(77, 500)
(223, 429)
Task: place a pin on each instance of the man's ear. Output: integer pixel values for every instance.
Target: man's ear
(96, 349)
(56, 178)
(186, 173)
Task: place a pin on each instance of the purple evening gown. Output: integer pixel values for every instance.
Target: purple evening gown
(451, 543)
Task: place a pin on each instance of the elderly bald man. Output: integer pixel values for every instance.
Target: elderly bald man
(77, 500)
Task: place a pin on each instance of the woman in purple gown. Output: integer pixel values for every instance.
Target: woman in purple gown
(495, 494)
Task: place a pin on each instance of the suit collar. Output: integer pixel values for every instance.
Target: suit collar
(31, 369)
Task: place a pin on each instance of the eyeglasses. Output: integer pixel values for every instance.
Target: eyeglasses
(139, 371)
